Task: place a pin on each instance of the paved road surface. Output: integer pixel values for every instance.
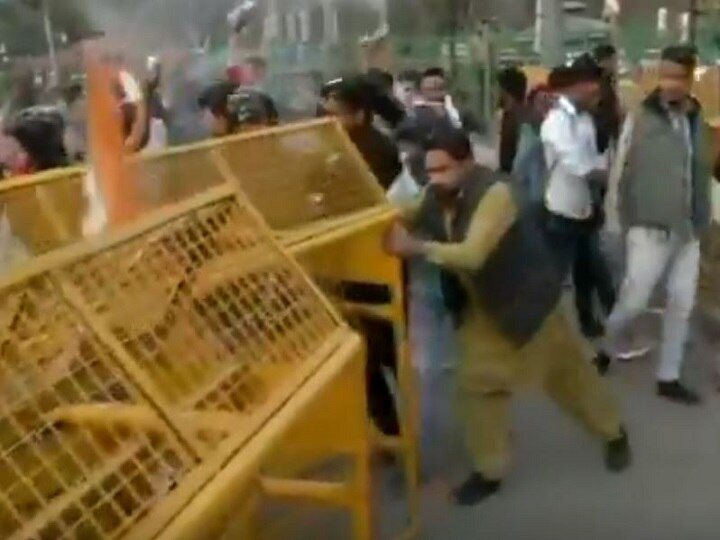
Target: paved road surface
(559, 490)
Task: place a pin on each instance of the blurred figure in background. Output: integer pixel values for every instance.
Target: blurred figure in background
(389, 112)
(186, 78)
(158, 115)
(513, 88)
(407, 88)
(230, 109)
(608, 115)
(25, 90)
(661, 189)
(74, 105)
(37, 141)
(256, 73)
(352, 101)
(434, 99)
(431, 335)
(529, 168)
(132, 104)
(32, 142)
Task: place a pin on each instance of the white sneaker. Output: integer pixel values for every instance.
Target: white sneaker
(633, 352)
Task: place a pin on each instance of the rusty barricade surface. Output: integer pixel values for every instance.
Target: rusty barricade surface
(135, 365)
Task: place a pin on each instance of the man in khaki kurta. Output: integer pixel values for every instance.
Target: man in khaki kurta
(491, 365)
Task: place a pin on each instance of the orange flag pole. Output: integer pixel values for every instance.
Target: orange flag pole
(105, 137)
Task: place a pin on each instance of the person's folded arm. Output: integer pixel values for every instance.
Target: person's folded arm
(565, 149)
(493, 217)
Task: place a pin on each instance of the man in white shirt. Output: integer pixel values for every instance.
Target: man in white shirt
(569, 140)
(576, 177)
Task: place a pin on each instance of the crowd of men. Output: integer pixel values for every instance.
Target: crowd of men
(572, 164)
(491, 251)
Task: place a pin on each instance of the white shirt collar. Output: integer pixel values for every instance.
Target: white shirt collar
(567, 105)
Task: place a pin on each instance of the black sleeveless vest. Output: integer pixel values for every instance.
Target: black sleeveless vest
(519, 284)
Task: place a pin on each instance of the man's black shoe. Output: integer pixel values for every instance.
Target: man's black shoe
(475, 490)
(675, 391)
(618, 455)
(602, 363)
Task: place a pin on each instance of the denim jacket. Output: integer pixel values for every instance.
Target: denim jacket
(529, 167)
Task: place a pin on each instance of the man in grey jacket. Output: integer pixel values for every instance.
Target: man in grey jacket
(664, 205)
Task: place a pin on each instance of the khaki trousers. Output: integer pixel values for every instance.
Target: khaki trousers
(490, 370)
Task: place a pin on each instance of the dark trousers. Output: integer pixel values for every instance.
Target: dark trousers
(592, 278)
(381, 355)
(576, 245)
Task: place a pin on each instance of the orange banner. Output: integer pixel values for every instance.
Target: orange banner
(106, 142)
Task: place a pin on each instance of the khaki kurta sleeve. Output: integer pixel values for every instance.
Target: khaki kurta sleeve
(493, 217)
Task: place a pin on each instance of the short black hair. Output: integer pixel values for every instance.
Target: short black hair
(328, 87)
(514, 82)
(215, 97)
(452, 140)
(383, 79)
(251, 108)
(583, 69)
(239, 106)
(559, 77)
(435, 71)
(684, 55)
(361, 93)
(39, 131)
(354, 92)
(410, 75)
(604, 51)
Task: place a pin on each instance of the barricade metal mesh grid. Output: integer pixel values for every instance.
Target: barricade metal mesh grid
(127, 362)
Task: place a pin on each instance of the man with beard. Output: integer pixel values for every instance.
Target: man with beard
(503, 288)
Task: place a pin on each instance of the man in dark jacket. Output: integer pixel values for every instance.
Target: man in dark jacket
(608, 115)
(501, 284)
(513, 88)
(351, 100)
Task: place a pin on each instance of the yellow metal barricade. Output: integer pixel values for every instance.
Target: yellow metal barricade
(44, 211)
(323, 205)
(150, 373)
(319, 197)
